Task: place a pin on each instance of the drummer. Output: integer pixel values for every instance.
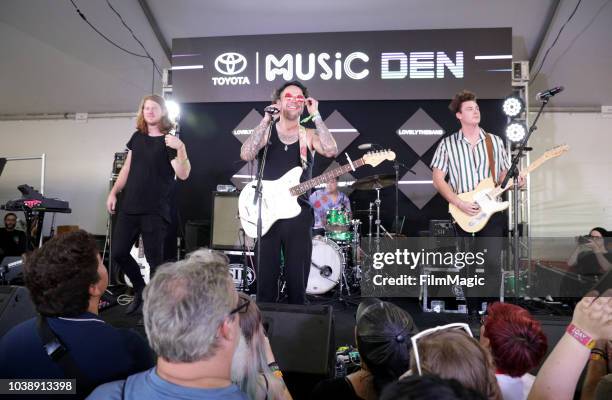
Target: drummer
(327, 199)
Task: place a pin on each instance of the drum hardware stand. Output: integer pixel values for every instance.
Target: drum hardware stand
(396, 167)
(379, 226)
(339, 298)
(370, 217)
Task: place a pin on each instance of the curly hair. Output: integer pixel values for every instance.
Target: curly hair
(517, 340)
(58, 274)
(277, 93)
(165, 125)
(459, 99)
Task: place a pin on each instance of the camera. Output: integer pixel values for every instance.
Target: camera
(584, 239)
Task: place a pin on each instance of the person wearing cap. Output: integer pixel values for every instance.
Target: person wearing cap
(382, 333)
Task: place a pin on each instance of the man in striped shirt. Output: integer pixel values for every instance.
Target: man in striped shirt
(463, 157)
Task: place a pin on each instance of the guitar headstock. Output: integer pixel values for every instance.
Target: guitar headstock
(555, 152)
(374, 158)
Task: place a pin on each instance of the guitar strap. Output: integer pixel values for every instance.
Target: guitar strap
(490, 158)
(304, 147)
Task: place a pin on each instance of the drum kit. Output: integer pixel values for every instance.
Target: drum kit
(337, 256)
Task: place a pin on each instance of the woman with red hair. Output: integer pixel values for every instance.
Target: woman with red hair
(517, 344)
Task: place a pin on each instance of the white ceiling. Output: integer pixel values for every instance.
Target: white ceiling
(52, 62)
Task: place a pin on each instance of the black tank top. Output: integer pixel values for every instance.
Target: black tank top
(279, 160)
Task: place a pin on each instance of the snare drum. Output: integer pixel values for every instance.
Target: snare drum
(325, 266)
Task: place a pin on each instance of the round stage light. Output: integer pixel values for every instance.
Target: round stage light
(513, 106)
(516, 131)
(174, 110)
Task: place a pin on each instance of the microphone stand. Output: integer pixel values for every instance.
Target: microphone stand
(257, 198)
(245, 261)
(396, 167)
(513, 173)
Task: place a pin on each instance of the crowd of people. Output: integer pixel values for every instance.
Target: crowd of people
(210, 343)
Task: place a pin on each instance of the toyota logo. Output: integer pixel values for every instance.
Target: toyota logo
(230, 63)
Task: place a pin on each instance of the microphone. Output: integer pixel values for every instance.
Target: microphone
(271, 110)
(549, 93)
(365, 146)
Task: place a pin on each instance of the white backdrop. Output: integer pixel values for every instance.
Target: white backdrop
(79, 164)
(572, 194)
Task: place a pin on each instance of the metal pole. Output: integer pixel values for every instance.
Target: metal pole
(43, 166)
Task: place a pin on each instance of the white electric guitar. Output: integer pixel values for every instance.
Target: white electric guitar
(486, 195)
(139, 255)
(279, 197)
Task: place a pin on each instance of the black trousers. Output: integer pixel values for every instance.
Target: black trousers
(293, 236)
(491, 240)
(153, 230)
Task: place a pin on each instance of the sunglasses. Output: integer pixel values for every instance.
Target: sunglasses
(426, 332)
(242, 307)
(299, 98)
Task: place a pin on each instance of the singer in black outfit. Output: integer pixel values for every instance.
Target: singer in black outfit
(146, 179)
(290, 145)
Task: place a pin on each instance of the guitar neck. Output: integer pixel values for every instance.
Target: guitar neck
(326, 177)
(532, 167)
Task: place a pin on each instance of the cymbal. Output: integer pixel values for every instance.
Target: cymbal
(374, 182)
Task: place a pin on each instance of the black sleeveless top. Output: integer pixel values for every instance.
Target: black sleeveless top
(279, 160)
(151, 178)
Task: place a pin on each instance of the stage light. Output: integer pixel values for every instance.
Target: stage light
(513, 106)
(516, 131)
(174, 110)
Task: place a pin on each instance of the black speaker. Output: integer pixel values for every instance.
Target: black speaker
(197, 234)
(15, 307)
(302, 337)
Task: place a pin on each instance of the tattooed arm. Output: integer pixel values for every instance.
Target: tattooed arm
(322, 140)
(256, 141)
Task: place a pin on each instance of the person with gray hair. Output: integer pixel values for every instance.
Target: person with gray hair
(191, 316)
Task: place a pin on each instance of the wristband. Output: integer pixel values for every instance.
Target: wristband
(275, 369)
(600, 353)
(581, 336)
(311, 117)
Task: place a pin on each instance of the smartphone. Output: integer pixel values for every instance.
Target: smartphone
(583, 239)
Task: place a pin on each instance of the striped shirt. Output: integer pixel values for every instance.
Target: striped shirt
(467, 166)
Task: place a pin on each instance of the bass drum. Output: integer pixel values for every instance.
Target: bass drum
(325, 266)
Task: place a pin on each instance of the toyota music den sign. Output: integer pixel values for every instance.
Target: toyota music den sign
(384, 65)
